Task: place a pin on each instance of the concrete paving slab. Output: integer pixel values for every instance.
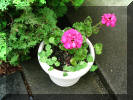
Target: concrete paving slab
(40, 82)
(12, 84)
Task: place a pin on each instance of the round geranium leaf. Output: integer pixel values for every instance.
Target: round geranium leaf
(65, 74)
(51, 51)
(89, 58)
(54, 59)
(49, 62)
(48, 47)
(73, 62)
(98, 48)
(57, 64)
(50, 69)
(52, 40)
(93, 68)
(43, 59)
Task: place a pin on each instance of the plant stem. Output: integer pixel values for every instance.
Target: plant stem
(99, 24)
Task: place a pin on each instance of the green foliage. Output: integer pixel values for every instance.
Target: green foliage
(48, 47)
(73, 62)
(52, 40)
(45, 56)
(81, 53)
(50, 69)
(85, 28)
(77, 3)
(2, 46)
(80, 65)
(3, 24)
(54, 59)
(28, 30)
(93, 68)
(65, 74)
(95, 30)
(57, 64)
(98, 48)
(4, 4)
(43, 1)
(60, 6)
(89, 58)
(14, 60)
(20, 4)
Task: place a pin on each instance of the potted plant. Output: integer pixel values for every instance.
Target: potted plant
(66, 55)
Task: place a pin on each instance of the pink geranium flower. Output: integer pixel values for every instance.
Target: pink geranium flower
(109, 20)
(72, 39)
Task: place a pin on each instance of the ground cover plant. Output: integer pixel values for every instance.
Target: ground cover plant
(24, 23)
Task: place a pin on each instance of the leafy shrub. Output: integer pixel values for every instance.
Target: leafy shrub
(28, 30)
(2, 46)
(26, 23)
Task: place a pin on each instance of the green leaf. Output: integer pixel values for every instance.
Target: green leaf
(4, 23)
(57, 64)
(78, 67)
(14, 60)
(65, 1)
(79, 26)
(48, 47)
(88, 21)
(52, 40)
(43, 1)
(69, 68)
(51, 51)
(98, 48)
(77, 3)
(67, 28)
(93, 68)
(65, 74)
(88, 30)
(49, 62)
(89, 58)
(95, 30)
(50, 69)
(81, 65)
(43, 59)
(73, 61)
(4, 4)
(41, 54)
(54, 59)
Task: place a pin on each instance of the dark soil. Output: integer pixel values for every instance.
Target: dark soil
(6, 69)
(62, 56)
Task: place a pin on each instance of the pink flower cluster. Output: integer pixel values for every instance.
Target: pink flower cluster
(72, 39)
(109, 20)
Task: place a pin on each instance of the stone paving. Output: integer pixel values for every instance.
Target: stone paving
(12, 84)
(89, 84)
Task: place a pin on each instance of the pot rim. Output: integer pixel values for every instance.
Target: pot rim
(71, 75)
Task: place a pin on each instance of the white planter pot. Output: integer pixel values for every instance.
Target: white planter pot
(57, 76)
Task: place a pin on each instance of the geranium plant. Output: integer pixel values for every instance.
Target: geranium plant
(67, 50)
